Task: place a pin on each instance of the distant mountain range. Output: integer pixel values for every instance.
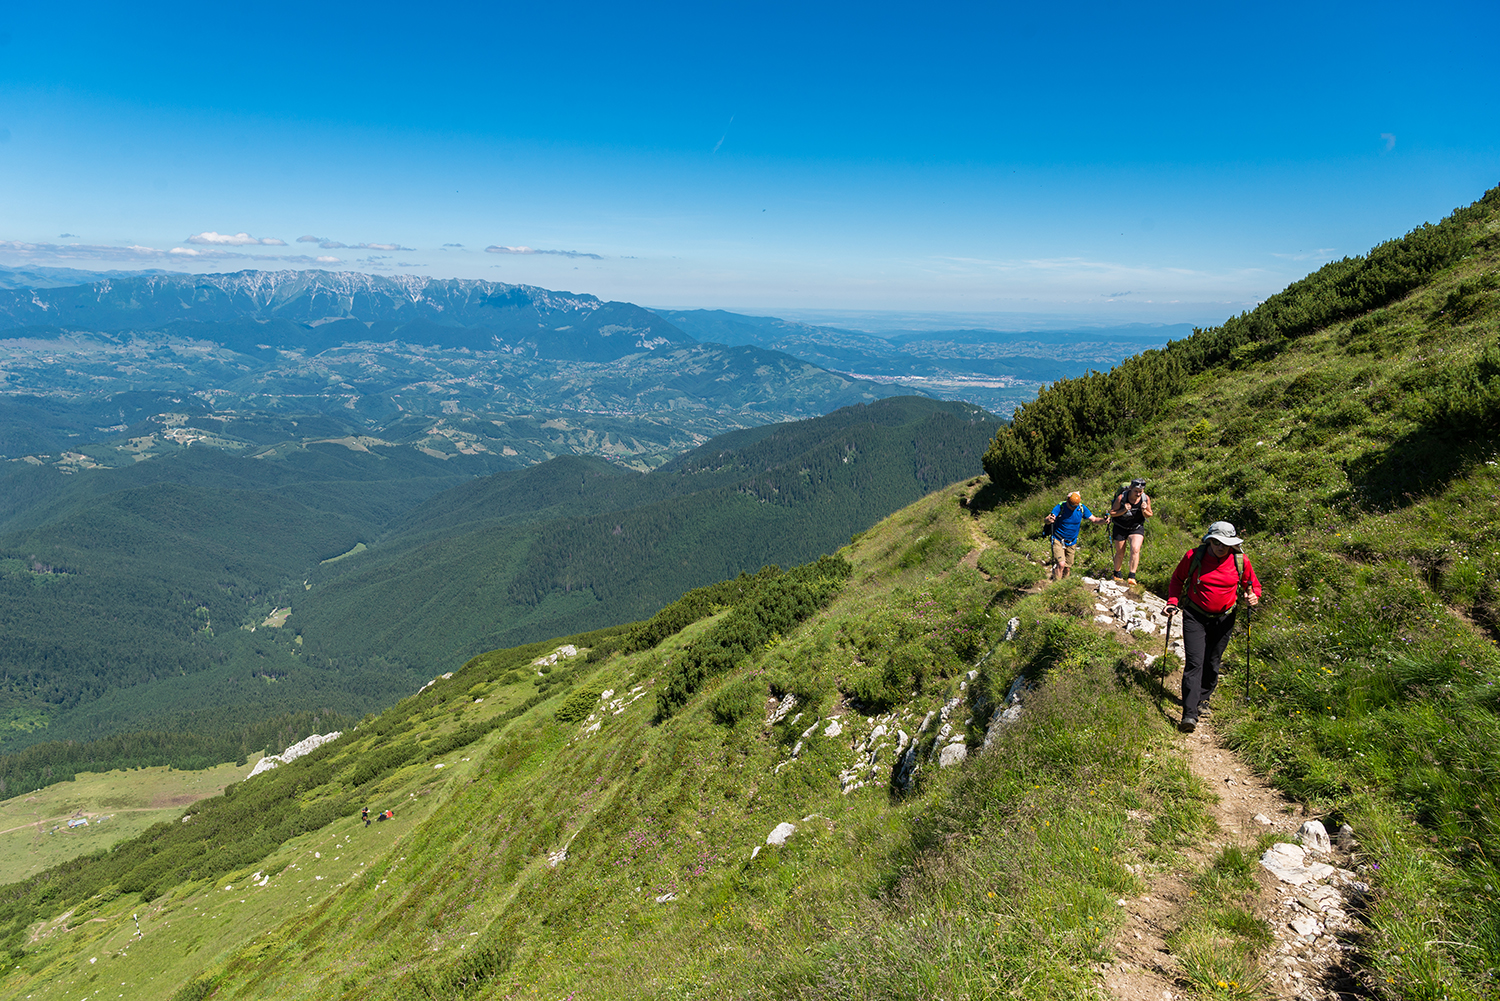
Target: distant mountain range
(996, 369)
(314, 310)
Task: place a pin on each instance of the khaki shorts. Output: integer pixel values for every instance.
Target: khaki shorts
(1062, 554)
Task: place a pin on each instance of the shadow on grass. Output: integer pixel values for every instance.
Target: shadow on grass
(1415, 465)
(1132, 673)
(989, 497)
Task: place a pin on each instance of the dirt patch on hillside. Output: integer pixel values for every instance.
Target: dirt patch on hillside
(181, 799)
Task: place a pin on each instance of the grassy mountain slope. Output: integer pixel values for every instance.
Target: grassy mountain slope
(460, 896)
(548, 859)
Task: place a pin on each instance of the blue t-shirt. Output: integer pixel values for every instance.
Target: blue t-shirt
(1065, 528)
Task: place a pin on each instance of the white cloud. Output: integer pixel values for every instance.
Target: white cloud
(47, 253)
(235, 240)
(531, 250)
(79, 251)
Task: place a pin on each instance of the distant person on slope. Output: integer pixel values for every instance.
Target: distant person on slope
(1127, 525)
(1206, 586)
(1065, 521)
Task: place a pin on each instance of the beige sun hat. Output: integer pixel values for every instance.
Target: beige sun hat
(1222, 531)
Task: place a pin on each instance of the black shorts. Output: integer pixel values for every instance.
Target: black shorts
(1118, 534)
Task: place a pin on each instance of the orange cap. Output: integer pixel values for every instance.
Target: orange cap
(1075, 497)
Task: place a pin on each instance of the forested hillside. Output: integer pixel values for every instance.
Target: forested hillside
(201, 593)
(574, 545)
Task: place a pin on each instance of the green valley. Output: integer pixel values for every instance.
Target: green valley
(745, 795)
(142, 598)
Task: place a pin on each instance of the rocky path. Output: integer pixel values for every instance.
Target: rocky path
(1307, 894)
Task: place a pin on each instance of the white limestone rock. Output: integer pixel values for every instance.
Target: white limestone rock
(1289, 864)
(780, 833)
(292, 753)
(1314, 837)
(782, 711)
(1305, 925)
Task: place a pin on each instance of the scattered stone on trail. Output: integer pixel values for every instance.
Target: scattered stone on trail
(666, 897)
(780, 833)
(292, 753)
(1012, 626)
(833, 729)
(1305, 925)
(1314, 837)
(1346, 838)
(1289, 863)
(1262, 819)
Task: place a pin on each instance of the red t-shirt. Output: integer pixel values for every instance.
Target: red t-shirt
(1217, 581)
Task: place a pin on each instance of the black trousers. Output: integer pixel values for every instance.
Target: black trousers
(1204, 640)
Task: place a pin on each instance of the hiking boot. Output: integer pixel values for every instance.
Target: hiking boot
(1119, 579)
(1204, 709)
(1130, 581)
(1188, 724)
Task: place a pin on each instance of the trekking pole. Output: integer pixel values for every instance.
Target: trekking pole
(1166, 645)
(1247, 652)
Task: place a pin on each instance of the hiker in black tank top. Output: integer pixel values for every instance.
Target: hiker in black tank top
(1127, 525)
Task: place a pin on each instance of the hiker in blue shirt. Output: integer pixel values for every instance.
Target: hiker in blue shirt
(1065, 521)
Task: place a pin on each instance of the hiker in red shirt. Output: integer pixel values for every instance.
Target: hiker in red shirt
(1206, 586)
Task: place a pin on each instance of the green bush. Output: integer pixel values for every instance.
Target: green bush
(773, 609)
(737, 700)
(577, 706)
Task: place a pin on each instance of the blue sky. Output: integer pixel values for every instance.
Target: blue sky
(1101, 162)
